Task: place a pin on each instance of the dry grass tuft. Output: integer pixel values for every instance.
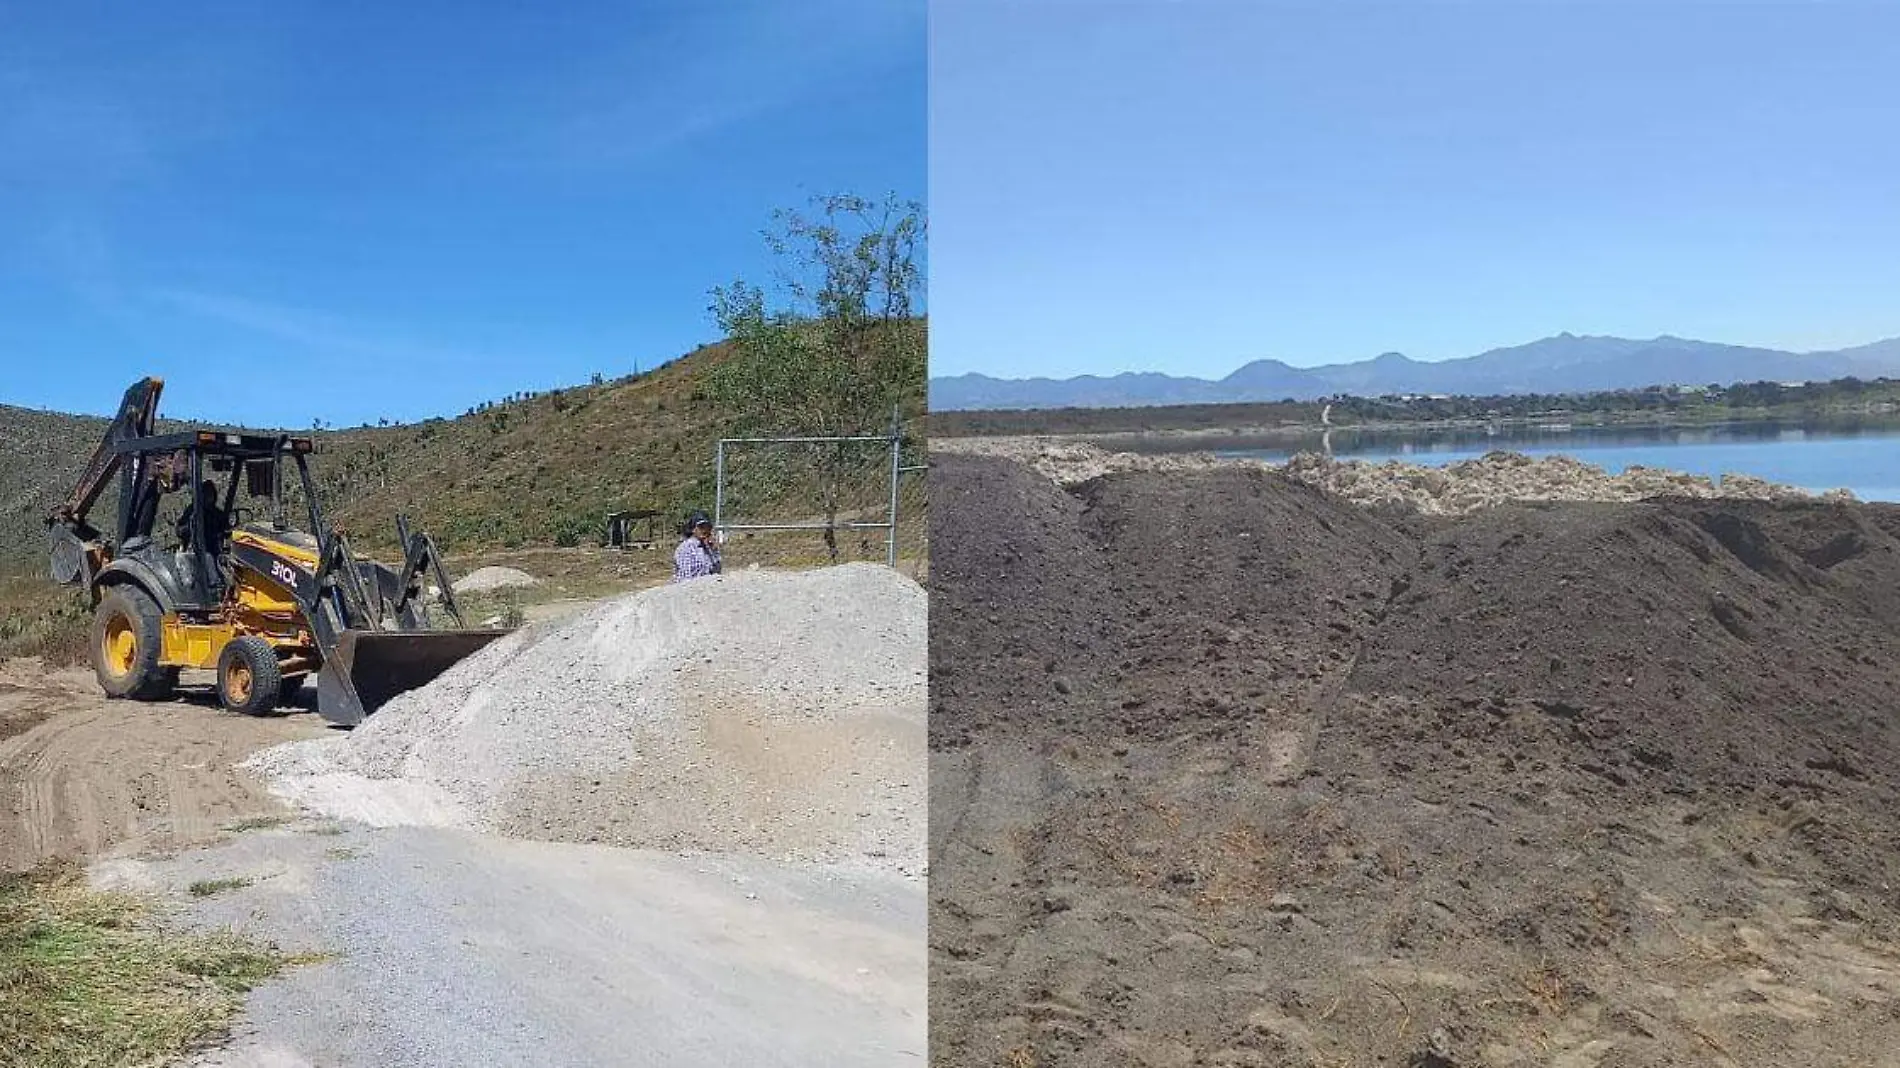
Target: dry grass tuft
(87, 980)
(208, 887)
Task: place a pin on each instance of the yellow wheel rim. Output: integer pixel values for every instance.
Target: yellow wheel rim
(239, 682)
(122, 645)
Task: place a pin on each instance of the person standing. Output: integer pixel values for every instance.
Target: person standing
(697, 555)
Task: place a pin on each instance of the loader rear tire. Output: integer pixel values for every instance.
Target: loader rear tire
(249, 679)
(125, 646)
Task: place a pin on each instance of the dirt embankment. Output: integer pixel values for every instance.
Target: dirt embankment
(1451, 489)
(82, 775)
(1228, 771)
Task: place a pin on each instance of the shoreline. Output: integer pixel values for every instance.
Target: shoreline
(1877, 413)
(1286, 431)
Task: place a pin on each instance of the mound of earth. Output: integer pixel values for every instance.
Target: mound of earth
(484, 579)
(771, 713)
(1228, 771)
(1452, 489)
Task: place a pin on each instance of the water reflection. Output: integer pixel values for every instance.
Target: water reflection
(1853, 453)
(1545, 437)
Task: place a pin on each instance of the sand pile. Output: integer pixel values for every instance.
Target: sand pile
(1497, 477)
(775, 713)
(483, 579)
(1228, 771)
(1071, 463)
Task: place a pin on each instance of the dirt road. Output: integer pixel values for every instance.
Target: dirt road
(444, 947)
(81, 775)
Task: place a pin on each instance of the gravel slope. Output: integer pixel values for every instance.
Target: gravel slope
(773, 713)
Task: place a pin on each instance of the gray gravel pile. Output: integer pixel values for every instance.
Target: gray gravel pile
(772, 713)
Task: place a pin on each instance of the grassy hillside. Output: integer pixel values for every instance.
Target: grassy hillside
(542, 470)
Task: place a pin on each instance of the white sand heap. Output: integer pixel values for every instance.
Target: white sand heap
(1070, 462)
(1498, 477)
(483, 579)
(775, 713)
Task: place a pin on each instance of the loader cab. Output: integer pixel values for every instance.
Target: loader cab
(209, 469)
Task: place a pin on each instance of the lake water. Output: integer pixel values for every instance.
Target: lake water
(1863, 457)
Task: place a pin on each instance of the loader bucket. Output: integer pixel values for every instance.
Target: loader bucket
(369, 667)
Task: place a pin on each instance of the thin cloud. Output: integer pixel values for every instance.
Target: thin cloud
(303, 327)
(660, 93)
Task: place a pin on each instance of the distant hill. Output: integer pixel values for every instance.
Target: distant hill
(542, 470)
(1562, 364)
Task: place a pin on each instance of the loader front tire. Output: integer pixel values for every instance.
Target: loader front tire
(125, 646)
(249, 679)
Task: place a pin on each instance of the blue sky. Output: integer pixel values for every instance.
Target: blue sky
(1189, 185)
(351, 211)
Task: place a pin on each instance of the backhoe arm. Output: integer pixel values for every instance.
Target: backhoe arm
(137, 413)
(73, 543)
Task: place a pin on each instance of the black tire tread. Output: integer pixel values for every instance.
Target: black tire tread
(148, 681)
(267, 683)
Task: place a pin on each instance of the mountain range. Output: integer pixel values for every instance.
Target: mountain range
(1566, 363)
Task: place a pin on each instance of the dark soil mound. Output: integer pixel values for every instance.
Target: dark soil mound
(1226, 772)
(1689, 646)
(1139, 602)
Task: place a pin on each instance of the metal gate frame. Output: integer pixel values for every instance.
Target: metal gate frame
(895, 439)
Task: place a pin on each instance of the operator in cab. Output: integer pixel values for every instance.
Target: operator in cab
(217, 524)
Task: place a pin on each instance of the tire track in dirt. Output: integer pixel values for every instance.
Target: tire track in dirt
(80, 774)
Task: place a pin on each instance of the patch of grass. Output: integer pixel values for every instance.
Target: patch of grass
(86, 980)
(328, 830)
(43, 620)
(257, 823)
(208, 887)
(342, 853)
(512, 615)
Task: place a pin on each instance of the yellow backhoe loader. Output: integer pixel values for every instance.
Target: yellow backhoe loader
(243, 592)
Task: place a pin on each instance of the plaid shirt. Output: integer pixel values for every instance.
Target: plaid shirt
(694, 559)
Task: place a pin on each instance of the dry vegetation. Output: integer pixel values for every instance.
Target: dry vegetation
(86, 977)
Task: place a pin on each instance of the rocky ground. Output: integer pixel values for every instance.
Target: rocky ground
(1228, 770)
